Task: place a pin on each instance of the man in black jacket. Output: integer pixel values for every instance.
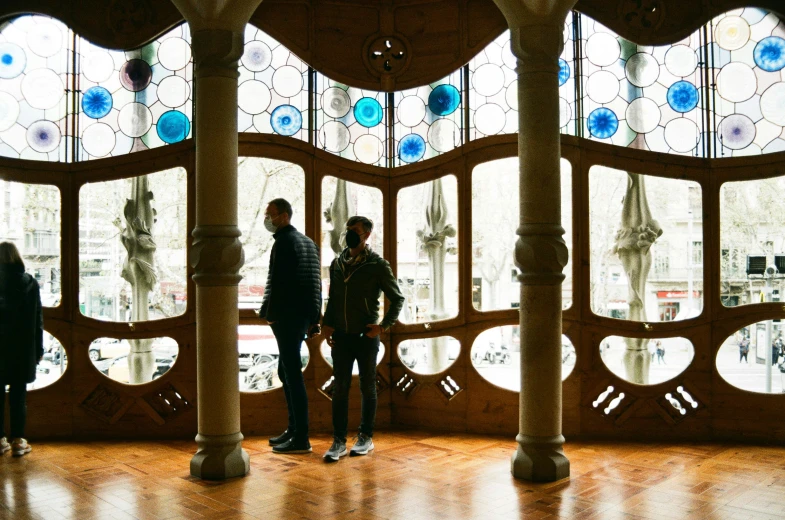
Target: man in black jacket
(291, 305)
(357, 278)
(21, 343)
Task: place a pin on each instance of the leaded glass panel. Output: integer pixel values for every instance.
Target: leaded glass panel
(272, 95)
(34, 66)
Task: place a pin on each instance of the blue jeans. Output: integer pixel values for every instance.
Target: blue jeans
(17, 397)
(347, 349)
(290, 334)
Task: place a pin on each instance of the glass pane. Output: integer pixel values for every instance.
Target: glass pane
(429, 355)
(746, 65)
(429, 119)
(494, 222)
(52, 366)
(33, 88)
(137, 99)
(646, 361)
(640, 96)
(753, 358)
(428, 250)
(272, 96)
(153, 234)
(327, 355)
(112, 357)
(752, 242)
(646, 246)
(258, 351)
(351, 122)
(261, 180)
(496, 355)
(30, 218)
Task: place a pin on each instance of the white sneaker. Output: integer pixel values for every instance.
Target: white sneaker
(363, 446)
(336, 451)
(20, 447)
(4, 446)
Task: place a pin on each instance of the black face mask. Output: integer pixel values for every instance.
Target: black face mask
(352, 238)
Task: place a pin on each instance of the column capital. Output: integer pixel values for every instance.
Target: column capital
(217, 255)
(537, 47)
(216, 52)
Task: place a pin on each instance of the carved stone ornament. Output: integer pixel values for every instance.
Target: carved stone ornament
(642, 15)
(387, 54)
(128, 17)
(217, 255)
(537, 48)
(541, 254)
(216, 52)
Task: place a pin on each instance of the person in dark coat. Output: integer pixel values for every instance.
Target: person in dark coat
(292, 306)
(21, 343)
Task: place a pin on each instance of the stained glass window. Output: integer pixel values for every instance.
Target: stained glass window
(272, 95)
(429, 120)
(135, 100)
(747, 64)
(351, 122)
(34, 63)
(640, 96)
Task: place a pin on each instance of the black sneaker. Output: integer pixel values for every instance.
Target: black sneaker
(336, 451)
(293, 446)
(285, 436)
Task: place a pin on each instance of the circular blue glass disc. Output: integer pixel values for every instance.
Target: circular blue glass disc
(769, 54)
(12, 60)
(96, 102)
(444, 99)
(411, 148)
(173, 127)
(43, 136)
(286, 120)
(368, 112)
(564, 72)
(682, 96)
(603, 123)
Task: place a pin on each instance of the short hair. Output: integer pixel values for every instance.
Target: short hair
(365, 221)
(283, 206)
(9, 254)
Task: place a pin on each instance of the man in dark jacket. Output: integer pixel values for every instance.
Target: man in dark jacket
(357, 278)
(291, 305)
(21, 343)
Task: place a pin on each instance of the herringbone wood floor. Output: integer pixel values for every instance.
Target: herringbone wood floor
(411, 475)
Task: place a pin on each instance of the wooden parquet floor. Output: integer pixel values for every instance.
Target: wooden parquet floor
(411, 475)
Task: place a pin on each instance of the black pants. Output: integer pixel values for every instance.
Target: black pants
(290, 335)
(347, 349)
(743, 355)
(17, 397)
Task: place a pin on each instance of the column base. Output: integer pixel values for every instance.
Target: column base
(540, 459)
(220, 457)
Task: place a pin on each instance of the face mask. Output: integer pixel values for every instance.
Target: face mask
(268, 224)
(352, 238)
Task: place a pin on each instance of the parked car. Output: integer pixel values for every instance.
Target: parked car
(105, 348)
(117, 368)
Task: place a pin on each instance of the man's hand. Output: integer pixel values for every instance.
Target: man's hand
(373, 330)
(327, 334)
(313, 330)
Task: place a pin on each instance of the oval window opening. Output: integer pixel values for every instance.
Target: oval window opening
(645, 361)
(258, 357)
(753, 358)
(429, 355)
(135, 361)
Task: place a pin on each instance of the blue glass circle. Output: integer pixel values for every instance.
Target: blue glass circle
(368, 112)
(564, 72)
(173, 127)
(411, 148)
(444, 99)
(96, 102)
(769, 54)
(286, 120)
(12, 60)
(682, 96)
(603, 123)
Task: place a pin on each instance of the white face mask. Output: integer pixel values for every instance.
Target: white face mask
(268, 224)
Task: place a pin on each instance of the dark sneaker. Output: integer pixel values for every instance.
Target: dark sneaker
(362, 446)
(293, 446)
(285, 436)
(336, 451)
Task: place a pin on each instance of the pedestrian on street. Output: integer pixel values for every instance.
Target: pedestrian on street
(744, 349)
(291, 305)
(660, 353)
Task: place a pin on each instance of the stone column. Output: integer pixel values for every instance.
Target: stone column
(536, 39)
(217, 255)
